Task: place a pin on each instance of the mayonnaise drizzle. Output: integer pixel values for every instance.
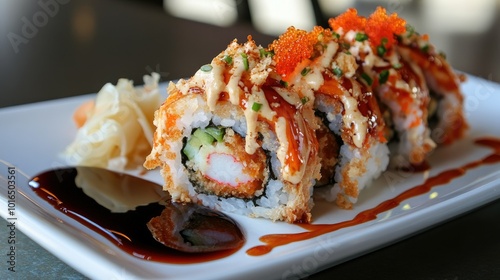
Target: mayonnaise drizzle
(282, 153)
(232, 86)
(281, 134)
(353, 118)
(289, 97)
(251, 116)
(314, 79)
(214, 84)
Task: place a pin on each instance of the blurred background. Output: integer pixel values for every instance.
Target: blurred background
(56, 48)
(52, 49)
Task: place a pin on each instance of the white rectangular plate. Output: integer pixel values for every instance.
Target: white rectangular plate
(33, 136)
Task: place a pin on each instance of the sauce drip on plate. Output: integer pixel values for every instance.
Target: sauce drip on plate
(126, 204)
(313, 230)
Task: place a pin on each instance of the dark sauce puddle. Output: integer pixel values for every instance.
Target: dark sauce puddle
(127, 230)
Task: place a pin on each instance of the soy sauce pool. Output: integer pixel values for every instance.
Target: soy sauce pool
(130, 203)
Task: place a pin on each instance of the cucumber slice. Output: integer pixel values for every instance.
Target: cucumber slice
(202, 137)
(192, 147)
(206, 139)
(215, 132)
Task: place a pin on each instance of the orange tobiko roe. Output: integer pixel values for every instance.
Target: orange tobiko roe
(295, 47)
(350, 20)
(382, 27)
(291, 48)
(378, 27)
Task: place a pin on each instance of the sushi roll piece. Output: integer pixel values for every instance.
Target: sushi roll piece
(446, 115)
(235, 139)
(353, 146)
(352, 114)
(419, 92)
(399, 85)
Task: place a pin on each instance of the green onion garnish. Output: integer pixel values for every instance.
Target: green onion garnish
(335, 34)
(425, 49)
(304, 100)
(305, 71)
(381, 50)
(383, 76)
(245, 60)
(265, 53)
(397, 66)
(256, 106)
(346, 45)
(410, 30)
(206, 68)
(360, 37)
(283, 83)
(227, 59)
(367, 78)
(337, 71)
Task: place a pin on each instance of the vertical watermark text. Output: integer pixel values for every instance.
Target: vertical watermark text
(11, 219)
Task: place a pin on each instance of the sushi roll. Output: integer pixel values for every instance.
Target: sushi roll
(353, 148)
(446, 116)
(400, 87)
(418, 92)
(352, 115)
(233, 138)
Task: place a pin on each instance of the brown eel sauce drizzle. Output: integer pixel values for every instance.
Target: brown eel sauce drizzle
(128, 230)
(314, 230)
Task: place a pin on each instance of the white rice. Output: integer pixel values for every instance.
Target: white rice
(264, 206)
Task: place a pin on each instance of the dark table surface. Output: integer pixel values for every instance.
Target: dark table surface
(81, 45)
